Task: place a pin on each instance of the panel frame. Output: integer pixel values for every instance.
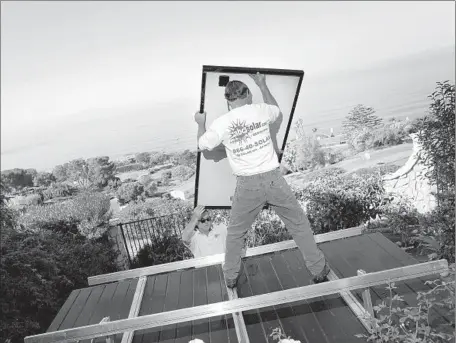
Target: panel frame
(244, 70)
(245, 304)
(202, 262)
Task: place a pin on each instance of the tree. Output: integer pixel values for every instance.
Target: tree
(299, 127)
(61, 172)
(158, 158)
(17, 178)
(182, 172)
(143, 158)
(436, 133)
(145, 180)
(96, 171)
(165, 178)
(129, 192)
(100, 171)
(185, 158)
(57, 189)
(7, 215)
(44, 179)
(74, 171)
(360, 118)
(150, 189)
(38, 273)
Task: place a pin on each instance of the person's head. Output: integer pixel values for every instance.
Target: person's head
(237, 94)
(205, 223)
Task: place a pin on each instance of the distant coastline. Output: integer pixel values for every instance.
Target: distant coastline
(399, 90)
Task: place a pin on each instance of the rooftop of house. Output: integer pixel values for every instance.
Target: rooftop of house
(276, 267)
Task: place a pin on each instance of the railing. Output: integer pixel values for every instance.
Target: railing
(138, 233)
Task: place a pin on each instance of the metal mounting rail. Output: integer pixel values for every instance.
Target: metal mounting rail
(202, 262)
(244, 304)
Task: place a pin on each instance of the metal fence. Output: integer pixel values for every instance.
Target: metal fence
(137, 234)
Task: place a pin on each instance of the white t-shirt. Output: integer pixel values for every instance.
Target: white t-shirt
(245, 133)
(214, 243)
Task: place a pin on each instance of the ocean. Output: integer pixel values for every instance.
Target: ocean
(398, 88)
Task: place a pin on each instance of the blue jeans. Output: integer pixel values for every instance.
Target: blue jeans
(252, 193)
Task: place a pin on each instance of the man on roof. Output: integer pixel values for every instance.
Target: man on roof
(246, 135)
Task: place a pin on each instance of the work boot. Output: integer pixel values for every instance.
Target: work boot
(322, 276)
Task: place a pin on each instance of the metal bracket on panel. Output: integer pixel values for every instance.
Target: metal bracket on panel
(238, 318)
(367, 301)
(110, 338)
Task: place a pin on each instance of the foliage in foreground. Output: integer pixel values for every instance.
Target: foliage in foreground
(89, 211)
(155, 207)
(432, 233)
(167, 247)
(395, 323)
(39, 271)
(340, 201)
(436, 133)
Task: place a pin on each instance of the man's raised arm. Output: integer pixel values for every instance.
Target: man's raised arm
(260, 80)
(189, 230)
(210, 139)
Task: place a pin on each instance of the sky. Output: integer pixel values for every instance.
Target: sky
(68, 62)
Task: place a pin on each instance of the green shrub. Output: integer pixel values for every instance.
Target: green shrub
(18, 178)
(165, 178)
(436, 134)
(8, 216)
(129, 192)
(157, 158)
(389, 135)
(304, 154)
(333, 156)
(267, 228)
(342, 201)
(165, 248)
(151, 189)
(403, 219)
(33, 199)
(57, 190)
(44, 179)
(143, 158)
(436, 233)
(182, 172)
(186, 158)
(114, 184)
(320, 174)
(380, 170)
(39, 271)
(145, 180)
(129, 167)
(396, 323)
(155, 207)
(89, 211)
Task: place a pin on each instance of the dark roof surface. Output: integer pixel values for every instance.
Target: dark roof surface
(319, 320)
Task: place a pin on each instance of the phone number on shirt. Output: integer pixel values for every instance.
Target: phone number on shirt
(253, 145)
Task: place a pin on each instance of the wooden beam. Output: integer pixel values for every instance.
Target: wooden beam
(238, 318)
(244, 304)
(135, 307)
(215, 259)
